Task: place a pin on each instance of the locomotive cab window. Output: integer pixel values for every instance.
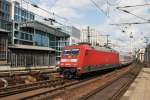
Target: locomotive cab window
(67, 52)
(75, 51)
(71, 52)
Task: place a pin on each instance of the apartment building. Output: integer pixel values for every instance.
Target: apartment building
(95, 37)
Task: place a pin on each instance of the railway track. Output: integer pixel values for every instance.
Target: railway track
(63, 92)
(87, 89)
(53, 86)
(8, 74)
(65, 89)
(117, 87)
(16, 78)
(28, 87)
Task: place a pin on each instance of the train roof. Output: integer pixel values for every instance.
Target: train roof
(105, 49)
(98, 48)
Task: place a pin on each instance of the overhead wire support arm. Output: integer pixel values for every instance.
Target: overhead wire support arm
(97, 6)
(133, 14)
(51, 13)
(132, 23)
(133, 6)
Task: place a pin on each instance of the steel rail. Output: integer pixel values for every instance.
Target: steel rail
(48, 94)
(28, 87)
(126, 79)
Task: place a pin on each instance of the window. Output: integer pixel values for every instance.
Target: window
(16, 34)
(41, 39)
(67, 52)
(26, 37)
(32, 17)
(22, 35)
(75, 51)
(31, 37)
(71, 52)
(3, 6)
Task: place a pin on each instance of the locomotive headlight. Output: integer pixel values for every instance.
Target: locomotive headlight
(79, 68)
(74, 60)
(62, 64)
(64, 60)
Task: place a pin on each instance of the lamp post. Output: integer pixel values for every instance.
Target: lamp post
(131, 43)
(147, 48)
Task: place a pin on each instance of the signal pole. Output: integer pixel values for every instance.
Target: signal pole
(88, 36)
(107, 43)
(146, 40)
(131, 42)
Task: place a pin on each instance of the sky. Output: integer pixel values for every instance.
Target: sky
(83, 13)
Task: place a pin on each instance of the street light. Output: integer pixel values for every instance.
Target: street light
(131, 44)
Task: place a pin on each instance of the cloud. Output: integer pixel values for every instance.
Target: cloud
(116, 16)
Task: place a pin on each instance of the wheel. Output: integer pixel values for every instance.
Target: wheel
(67, 74)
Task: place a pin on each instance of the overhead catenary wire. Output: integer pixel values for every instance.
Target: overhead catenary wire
(39, 16)
(134, 14)
(106, 14)
(101, 11)
(132, 23)
(36, 6)
(146, 21)
(131, 6)
(52, 13)
(111, 4)
(99, 8)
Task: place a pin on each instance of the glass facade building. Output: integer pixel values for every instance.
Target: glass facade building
(30, 43)
(5, 28)
(73, 32)
(4, 10)
(3, 48)
(5, 15)
(60, 43)
(23, 36)
(21, 14)
(41, 39)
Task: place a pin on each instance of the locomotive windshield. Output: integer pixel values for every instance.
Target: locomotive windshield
(67, 52)
(75, 51)
(71, 52)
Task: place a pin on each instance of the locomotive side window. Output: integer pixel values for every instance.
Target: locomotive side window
(75, 51)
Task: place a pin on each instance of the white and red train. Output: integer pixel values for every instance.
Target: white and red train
(83, 58)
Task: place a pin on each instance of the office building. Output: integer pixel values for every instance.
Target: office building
(29, 42)
(73, 32)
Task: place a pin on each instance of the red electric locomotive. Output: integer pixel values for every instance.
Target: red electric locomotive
(83, 58)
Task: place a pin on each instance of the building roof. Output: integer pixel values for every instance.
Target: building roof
(43, 27)
(27, 47)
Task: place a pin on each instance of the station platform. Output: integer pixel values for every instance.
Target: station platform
(140, 88)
